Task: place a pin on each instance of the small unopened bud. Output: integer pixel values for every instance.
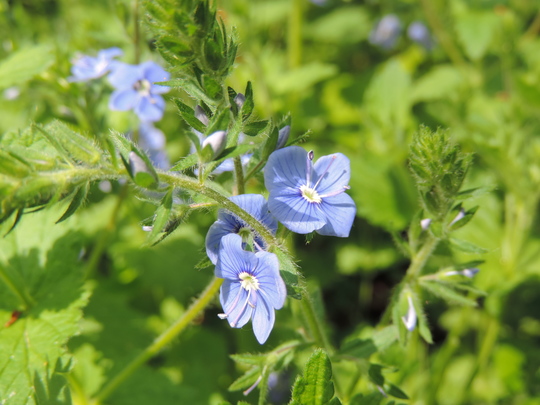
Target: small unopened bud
(283, 136)
(410, 319)
(201, 115)
(460, 215)
(239, 100)
(425, 223)
(470, 273)
(217, 142)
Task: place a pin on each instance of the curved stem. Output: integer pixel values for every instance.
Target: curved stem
(314, 322)
(239, 174)
(162, 340)
(185, 182)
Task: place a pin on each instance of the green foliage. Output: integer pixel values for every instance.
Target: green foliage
(41, 297)
(315, 386)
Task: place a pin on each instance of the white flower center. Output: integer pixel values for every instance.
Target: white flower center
(310, 194)
(249, 282)
(143, 86)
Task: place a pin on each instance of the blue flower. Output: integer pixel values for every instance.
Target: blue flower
(252, 289)
(307, 198)
(152, 140)
(419, 33)
(386, 32)
(87, 67)
(135, 89)
(227, 223)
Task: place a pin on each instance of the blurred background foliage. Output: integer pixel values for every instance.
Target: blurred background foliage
(479, 77)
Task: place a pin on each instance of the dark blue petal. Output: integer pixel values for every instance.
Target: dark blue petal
(340, 211)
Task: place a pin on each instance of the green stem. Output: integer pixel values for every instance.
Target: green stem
(239, 174)
(24, 298)
(161, 341)
(415, 268)
(445, 40)
(314, 322)
(189, 183)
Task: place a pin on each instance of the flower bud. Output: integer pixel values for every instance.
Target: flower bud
(217, 142)
(283, 136)
(239, 100)
(201, 115)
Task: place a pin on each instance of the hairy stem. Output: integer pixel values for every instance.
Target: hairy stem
(239, 175)
(314, 322)
(162, 340)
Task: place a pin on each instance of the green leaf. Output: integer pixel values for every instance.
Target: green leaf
(141, 170)
(289, 273)
(24, 64)
(467, 247)
(40, 274)
(188, 115)
(374, 398)
(475, 31)
(255, 128)
(344, 25)
(76, 202)
(315, 386)
(304, 77)
(161, 217)
(441, 82)
(79, 147)
(364, 348)
(445, 291)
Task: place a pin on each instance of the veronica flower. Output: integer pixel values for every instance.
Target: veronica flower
(252, 289)
(87, 67)
(152, 140)
(227, 223)
(306, 197)
(419, 33)
(386, 32)
(135, 89)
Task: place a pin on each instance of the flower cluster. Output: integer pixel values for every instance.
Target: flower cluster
(386, 32)
(304, 197)
(134, 89)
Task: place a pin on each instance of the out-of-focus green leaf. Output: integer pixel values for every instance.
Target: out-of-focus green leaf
(304, 77)
(443, 81)
(363, 348)
(24, 64)
(347, 24)
(475, 31)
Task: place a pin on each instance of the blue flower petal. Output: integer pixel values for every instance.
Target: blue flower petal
(150, 108)
(340, 211)
(123, 100)
(255, 205)
(233, 299)
(272, 286)
(152, 72)
(232, 259)
(286, 168)
(296, 213)
(338, 173)
(263, 321)
(110, 53)
(124, 76)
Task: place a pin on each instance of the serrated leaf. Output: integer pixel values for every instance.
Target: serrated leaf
(185, 163)
(79, 147)
(246, 380)
(363, 348)
(24, 64)
(445, 291)
(46, 283)
(315, 386)
(289, 273)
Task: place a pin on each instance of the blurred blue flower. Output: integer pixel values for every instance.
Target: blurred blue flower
(307, 198)
(252, 288)
(152, 140)
(135, 89)
(227, 223)
(87, 67)
(419, 33)
(283, 136)
(386, 32)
